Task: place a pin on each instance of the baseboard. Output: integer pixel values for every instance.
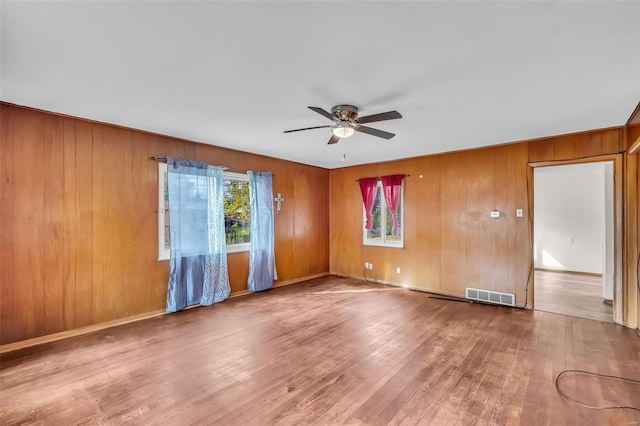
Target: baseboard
(283, 283)
(562, 271)
(238, 293)
(395, 284)
(421, 289)
(9, 347)
(299, 280)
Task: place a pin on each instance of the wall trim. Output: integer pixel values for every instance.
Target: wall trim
(634, 149)
(297, 280)
(563, 271)
(282, 284)
(426, 290)
(10, 347)
(634, 118)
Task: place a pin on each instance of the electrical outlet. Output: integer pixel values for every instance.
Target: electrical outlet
(371, 266)
(397, 269)
(518, 212)
(366, 265)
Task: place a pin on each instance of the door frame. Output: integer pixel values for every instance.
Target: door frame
(620, 313)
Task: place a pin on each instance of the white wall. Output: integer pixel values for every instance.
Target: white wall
(569, 217)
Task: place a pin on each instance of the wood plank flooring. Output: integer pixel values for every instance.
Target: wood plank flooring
(330, 351)
(571, 294)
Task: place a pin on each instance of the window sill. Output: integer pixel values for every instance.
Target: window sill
(237, 248)
(390, 245)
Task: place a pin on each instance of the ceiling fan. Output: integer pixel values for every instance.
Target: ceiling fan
(346, 122)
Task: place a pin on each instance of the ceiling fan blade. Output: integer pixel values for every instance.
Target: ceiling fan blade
(334, 139)
(389, 115)
(323, 112)
(375, 132)
(306, 128)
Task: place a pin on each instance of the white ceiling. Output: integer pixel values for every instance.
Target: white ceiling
(236, 74)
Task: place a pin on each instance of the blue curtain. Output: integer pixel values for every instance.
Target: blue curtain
(198, 262)
(216, 276)
(262, 266)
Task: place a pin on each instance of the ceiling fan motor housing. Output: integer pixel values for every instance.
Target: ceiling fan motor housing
(345, 112)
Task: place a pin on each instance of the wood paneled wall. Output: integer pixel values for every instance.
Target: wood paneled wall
(78, 205)
(450, 240)
(79, 227)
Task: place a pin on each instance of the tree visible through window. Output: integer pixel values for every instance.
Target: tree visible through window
(236, 209)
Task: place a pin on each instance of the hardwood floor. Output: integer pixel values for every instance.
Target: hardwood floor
(327, 352)
(571, 294)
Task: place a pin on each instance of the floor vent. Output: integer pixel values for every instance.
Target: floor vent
(490, 296)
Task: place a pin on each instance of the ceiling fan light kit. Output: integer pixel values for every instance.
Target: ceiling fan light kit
(343, 130)
(346, 122)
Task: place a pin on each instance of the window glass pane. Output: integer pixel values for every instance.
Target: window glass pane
(375, 232)
(389, 222)
(236, 211)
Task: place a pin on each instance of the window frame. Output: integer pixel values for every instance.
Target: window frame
(383, 222)
(243, 177)
(164, 252)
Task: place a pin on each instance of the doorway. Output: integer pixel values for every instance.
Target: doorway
(574, 239)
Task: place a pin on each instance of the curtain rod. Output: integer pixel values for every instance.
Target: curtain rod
(378, 177)
(164, 159)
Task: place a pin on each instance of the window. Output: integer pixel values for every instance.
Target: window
(381, 233)
(236, 210)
